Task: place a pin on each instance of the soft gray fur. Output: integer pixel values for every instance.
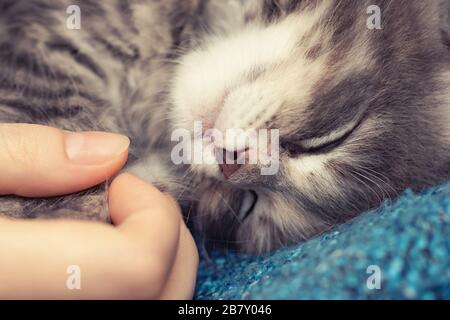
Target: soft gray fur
(115, 74)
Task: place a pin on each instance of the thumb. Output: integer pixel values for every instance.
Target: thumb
(137, 205)
(151, 220)
(39, 161)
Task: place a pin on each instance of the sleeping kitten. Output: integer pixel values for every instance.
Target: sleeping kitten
(362, 113)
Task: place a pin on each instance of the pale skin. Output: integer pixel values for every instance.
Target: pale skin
(148, 253)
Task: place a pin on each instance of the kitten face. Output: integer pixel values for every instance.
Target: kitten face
(361, 114)
(352, 106)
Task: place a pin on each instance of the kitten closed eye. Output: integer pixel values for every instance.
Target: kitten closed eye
(296, 149)
(323, 144)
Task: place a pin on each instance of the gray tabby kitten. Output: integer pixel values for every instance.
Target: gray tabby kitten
(363, 113)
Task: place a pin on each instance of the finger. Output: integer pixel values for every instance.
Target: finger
(181, 281)
(39, 161)
(129, 194)
(150, 219)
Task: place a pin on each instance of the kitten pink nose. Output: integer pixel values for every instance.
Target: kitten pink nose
(228, 161)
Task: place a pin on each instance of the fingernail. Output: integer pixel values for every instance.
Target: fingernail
(91, 148)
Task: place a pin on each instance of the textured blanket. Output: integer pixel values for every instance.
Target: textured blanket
(400, 251)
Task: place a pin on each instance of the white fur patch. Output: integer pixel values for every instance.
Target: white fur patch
(215, 81)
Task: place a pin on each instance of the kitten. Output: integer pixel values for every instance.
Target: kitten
(362, 113)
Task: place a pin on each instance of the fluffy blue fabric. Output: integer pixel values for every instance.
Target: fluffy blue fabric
(408, 240)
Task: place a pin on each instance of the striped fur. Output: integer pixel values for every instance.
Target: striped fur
(363, 114)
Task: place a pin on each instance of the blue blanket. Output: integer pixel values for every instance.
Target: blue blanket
(400, 251)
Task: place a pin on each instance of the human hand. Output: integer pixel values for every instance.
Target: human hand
(147, 254)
